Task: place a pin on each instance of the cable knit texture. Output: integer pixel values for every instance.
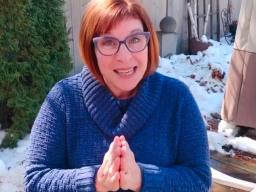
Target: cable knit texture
(79, 119)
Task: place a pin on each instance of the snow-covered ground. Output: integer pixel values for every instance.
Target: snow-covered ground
(11, 166)
(203, 73)
(197, 70)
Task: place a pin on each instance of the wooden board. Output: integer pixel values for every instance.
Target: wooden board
(221, 188)
(239, 168)
(235, 167)
(224, 179)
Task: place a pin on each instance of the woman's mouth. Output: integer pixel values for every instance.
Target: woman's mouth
(126, 72)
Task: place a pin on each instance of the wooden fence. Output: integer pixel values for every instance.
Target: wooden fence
(157, 10)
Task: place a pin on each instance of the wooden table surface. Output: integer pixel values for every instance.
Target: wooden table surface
(221, 188)
(237, 167)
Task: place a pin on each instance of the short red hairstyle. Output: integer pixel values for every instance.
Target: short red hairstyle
(100, 16)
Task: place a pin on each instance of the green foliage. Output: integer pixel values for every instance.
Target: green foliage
(34, 54)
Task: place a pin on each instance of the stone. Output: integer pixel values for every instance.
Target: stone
(168, 25)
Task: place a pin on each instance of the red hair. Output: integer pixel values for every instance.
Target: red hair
(100, 16)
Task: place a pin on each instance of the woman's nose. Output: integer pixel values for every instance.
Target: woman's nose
(123, 51)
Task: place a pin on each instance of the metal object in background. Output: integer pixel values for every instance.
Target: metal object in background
(214, 16)
(229, 25)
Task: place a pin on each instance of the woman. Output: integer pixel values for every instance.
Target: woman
(118, 125)
(239, 106)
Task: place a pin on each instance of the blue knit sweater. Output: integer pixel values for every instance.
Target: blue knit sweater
(79, 119)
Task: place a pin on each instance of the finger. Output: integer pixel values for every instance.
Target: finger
(118, 137)
(102, 174)
(123, 173)
(109, 158)
(114, 149)
(125, 149)
(124, 155)
(105, 169)
(123, 160)
(103, 166)
(110, 168)
(114, 181)
(127, 157)
(105, 161)
(123, 180)
(125, 143)
(114, 167)
(117, 141)
(122, 138)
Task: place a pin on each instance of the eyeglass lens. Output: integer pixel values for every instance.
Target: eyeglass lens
(111, 45)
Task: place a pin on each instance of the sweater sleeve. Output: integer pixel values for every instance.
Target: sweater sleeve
(191, 171)
(46, 161)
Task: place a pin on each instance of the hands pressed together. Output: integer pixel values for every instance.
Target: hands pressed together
(119, 168)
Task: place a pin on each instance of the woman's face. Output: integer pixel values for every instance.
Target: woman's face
(123, 71)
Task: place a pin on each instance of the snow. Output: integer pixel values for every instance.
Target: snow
(205, 75)
(11, 166)
(228, 129)
(204, 39)
(243, 143)
(217, 140)
(196, 72)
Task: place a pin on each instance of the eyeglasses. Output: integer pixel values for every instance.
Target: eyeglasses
(110, 45)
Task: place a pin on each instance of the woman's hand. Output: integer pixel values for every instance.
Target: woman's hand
(119, 168)
(130, 174)
(108, 175)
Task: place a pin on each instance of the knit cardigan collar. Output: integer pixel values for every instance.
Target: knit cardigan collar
(103, 107)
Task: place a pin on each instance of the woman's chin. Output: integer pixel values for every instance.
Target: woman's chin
(125, 92)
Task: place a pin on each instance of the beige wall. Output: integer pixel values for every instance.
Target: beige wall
(156, 9)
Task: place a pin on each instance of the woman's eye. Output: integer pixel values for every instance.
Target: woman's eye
(134, 40)
(108, 43)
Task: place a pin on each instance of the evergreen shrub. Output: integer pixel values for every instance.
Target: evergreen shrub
(34, 55)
